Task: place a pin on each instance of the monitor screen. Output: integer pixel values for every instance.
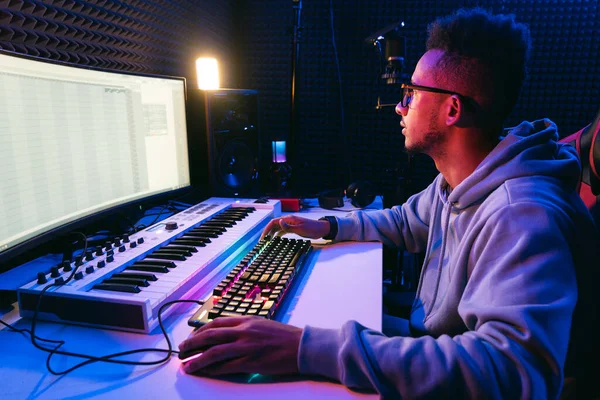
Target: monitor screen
(76, 141)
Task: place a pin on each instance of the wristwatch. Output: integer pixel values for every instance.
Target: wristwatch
(333, 227)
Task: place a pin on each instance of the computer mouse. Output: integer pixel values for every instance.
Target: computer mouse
(190, 354)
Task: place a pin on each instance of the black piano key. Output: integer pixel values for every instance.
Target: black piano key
(200, 236)
(204, 234)
(208, 228)
(167, 250)
(167, 256)
(140, 275)
(190, 242)
(117, 287)
(230, 217)
(218, 224)
(241, 209)
(228, 213)
(235, 210)
(202, 227)
(191, 249)
(128, 281)
(204, 237)
(148, 268)
(222, 217)
(169, 264)
(221, 222)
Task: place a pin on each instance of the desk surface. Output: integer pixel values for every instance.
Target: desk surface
(325, 297)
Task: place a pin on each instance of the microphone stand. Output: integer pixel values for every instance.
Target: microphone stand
(291, 149)
(281, 173)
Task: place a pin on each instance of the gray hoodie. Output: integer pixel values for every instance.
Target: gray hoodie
(493, 310)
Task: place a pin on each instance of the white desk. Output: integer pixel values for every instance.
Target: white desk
(324, 297)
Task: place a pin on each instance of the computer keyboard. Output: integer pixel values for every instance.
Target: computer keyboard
(257, 285)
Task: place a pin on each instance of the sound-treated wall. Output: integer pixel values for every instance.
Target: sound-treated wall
(156, 36)
(340, 136)
(337, 106)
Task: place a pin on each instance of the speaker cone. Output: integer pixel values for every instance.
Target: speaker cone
(236, 165)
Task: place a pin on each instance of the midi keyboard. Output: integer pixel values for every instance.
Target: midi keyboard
(123, 285)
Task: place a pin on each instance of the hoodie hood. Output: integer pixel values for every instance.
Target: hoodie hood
(529, 149)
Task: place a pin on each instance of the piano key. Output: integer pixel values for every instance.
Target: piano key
(139, 275)
(167, 256)
(206, 228)
(169, 264)
(220, 223)
(231, 220)
(191, 249)
(217, 224)
(167, 250)
(190, 242)
(228, 217)
(203, 234)
(128, 281)
(148, 268)
(117, 287)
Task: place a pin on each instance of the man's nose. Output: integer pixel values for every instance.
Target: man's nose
(401, 110)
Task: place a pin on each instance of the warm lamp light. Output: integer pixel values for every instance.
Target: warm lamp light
(207, 72)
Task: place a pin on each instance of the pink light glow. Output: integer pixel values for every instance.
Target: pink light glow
(190, 358)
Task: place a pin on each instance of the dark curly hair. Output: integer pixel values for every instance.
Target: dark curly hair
(485, 53)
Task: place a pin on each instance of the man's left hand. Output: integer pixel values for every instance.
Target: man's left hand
(244, 345)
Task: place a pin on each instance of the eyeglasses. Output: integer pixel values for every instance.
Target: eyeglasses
(409, 92)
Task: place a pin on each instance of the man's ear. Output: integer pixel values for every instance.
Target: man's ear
(456, 114)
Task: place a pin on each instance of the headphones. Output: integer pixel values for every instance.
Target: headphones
(360, 193)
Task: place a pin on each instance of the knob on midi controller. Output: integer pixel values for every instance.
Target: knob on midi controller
(171, 226)
(66, 266)
(41, 278)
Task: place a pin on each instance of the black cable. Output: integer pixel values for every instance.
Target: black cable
(91, 359)
(12, 328)
(108, 358)
(143, 226)
(168, 205)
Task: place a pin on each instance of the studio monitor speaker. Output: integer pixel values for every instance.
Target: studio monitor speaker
(232, 142)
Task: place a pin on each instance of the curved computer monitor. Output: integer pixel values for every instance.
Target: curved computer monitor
(76, 142)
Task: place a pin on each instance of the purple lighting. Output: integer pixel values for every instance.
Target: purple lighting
(278, 152)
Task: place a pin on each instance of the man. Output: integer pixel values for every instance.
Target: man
(502, 229)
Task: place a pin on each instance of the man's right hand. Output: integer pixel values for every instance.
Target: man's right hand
(305, 227)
